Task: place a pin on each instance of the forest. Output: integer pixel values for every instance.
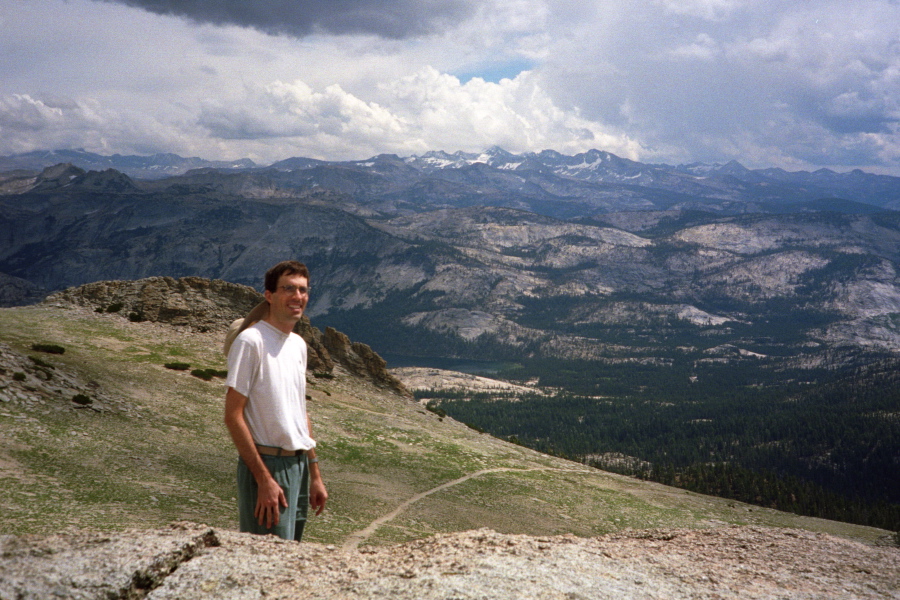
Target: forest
(822, 443)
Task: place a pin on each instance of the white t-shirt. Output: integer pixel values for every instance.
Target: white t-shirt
(269, 368)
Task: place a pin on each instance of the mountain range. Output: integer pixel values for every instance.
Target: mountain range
(142, 167)
(593, 179)
(492, 255)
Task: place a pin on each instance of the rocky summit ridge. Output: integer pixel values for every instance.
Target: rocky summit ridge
(211, 305)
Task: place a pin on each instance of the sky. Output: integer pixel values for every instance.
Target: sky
(799, 85)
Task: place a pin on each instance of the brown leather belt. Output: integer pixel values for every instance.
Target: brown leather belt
(271, 451)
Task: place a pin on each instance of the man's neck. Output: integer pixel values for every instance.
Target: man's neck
(282, 326)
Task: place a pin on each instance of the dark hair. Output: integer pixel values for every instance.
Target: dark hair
(286, 267)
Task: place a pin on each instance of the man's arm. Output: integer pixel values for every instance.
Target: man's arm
(270, 497)
(318, 495)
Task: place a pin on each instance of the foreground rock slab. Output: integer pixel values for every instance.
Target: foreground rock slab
(189, 561)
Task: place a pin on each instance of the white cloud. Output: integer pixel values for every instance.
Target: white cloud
(515, 114)
(22, 118)
(703, 47)
(716, 80)
(413, 114)
(711, 10)
(286, 110)
(22, 113)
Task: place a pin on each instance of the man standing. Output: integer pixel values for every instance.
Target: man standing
(265, 411)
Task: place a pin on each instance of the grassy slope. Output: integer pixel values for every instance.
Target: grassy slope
(163, 454)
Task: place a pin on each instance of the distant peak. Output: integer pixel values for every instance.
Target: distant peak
(497, 151)
(58, 176)
(549, 154)
(62, 169)
(733, 166)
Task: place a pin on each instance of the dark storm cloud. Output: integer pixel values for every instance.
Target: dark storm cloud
(386, 18)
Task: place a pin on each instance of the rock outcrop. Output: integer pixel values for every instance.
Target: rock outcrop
(198, 562)
(210, 305)
(202, 304)
(334, 347)
(359, 358)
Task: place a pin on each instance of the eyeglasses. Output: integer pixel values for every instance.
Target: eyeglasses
(290, 290)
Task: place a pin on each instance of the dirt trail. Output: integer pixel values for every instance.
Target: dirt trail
(355, 539)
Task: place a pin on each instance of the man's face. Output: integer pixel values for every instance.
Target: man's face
(289, 299)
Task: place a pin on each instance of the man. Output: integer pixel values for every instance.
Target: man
(265, 411)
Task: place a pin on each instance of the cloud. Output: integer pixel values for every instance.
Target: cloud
(711, 10)
(23, 117)
(719, 79)
(516, 114)
(833, 71)
(294, 110)
(22, 113)
(424, 111)
(385, 18)
(703, 47)
(61, 123)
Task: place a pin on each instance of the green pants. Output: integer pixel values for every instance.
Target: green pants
(292, 474)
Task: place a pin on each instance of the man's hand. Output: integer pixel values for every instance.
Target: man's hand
(318, 496)
(269, 502)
